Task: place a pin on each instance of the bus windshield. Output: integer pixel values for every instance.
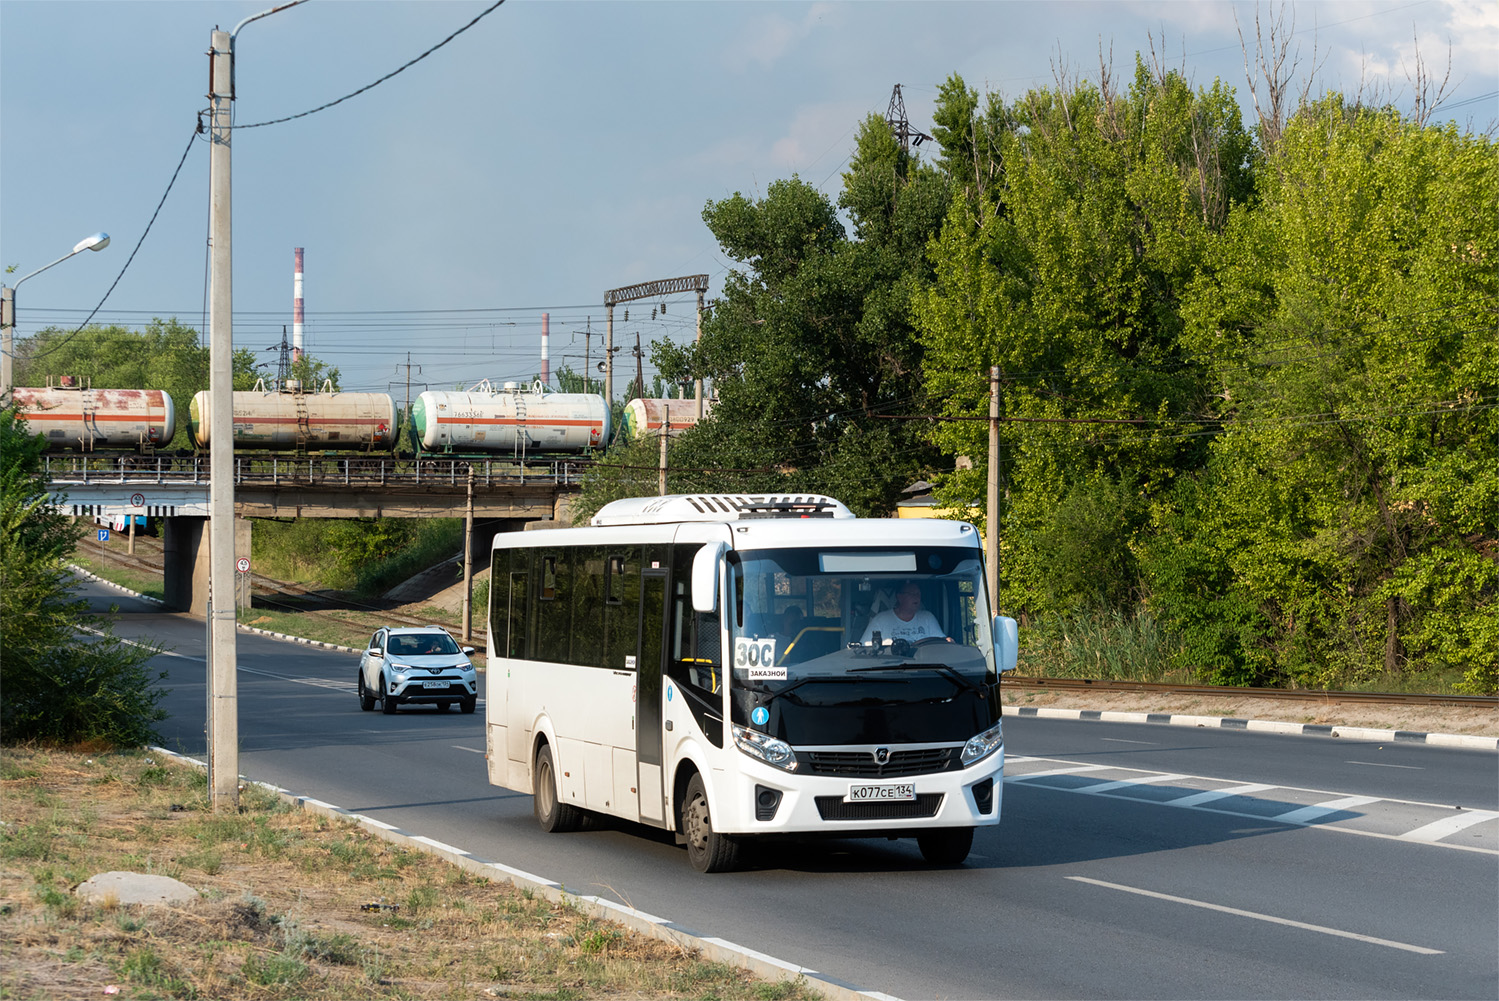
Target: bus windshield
(843, 628)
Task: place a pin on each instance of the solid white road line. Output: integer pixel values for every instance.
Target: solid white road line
(1271, 918)
(1199, 798)
(1126, 783)
(1070, 770)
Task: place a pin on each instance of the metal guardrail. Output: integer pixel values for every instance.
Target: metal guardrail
(361, 471)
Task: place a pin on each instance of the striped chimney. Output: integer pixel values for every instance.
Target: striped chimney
(546, 371)
(296, 306)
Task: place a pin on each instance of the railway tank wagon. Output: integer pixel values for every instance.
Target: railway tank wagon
(303, 421)
(516, 420)
(645, 416)
(73, 416)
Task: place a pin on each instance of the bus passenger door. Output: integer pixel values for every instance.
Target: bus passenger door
(649, 663)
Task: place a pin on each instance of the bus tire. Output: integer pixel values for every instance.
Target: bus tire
(707, 850)
(554, 816)
(945, 845)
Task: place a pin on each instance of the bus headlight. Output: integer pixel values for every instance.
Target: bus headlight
(980, 747)
(768, 749)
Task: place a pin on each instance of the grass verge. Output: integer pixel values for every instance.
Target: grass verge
(282, 906)
(148, 584)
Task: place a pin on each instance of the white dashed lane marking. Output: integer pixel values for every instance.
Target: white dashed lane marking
(1257, 916)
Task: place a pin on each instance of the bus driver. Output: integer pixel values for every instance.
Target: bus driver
(906, 621)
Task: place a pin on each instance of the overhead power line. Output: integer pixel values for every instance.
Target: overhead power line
(370, 86)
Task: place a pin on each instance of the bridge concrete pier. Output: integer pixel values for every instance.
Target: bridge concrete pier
(184, 543)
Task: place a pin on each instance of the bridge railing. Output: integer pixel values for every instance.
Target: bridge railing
(354, 470)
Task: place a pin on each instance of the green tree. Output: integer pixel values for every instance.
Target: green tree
(1348, 511)
(166, 355)
(59, 686)
(811, 346)
(1069, 279)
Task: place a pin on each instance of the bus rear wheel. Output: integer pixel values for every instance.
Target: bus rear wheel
(707, 850)
(945, 845)
(554, 816)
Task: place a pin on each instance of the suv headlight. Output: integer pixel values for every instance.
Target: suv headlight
(980, 747)
(770, 750)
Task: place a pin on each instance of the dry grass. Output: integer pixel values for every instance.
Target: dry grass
(280, 913)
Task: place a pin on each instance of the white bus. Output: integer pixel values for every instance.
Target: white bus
(732, 666)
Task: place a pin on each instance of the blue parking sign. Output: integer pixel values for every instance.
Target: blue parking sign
(103, 535)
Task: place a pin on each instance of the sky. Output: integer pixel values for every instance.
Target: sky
(548, 153)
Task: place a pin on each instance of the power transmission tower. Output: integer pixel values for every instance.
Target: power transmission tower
(283, 362)
(895, 117)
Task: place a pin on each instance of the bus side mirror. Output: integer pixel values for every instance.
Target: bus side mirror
(1006, 642)
(705, 577)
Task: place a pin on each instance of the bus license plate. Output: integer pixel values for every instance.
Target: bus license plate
(904, 791)
(434, 684)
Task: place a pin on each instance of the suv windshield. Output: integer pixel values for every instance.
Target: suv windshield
(860, 630)
(421, 645)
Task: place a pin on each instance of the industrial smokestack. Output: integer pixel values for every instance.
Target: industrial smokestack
(546, 371)
(296, 307)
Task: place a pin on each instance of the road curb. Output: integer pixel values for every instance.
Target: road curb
(715, 949)
(1263, 726)
(111, 584)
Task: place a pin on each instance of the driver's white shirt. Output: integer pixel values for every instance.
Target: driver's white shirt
(891, 626)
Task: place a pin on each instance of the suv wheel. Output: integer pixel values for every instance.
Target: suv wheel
(388, 701)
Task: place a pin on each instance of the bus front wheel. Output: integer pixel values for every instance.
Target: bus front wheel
(707, 850)
(945, 845)
(554, 816)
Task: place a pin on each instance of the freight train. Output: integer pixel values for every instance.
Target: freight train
(516, 420)
(73, 415)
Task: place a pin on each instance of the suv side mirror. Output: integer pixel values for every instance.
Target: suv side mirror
(1006, 643)
(468, 651)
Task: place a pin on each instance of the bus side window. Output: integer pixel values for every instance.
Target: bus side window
(696, 657)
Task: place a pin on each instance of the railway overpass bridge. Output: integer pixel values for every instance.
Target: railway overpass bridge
(492, 495)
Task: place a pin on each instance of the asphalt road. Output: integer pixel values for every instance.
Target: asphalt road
(1133, 861)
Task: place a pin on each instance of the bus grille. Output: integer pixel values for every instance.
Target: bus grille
(925, 805)
(861, 764)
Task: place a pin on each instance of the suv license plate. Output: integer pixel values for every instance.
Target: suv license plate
(434, 684)
(905, 791)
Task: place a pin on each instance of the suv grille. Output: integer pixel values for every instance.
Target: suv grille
(861, 764)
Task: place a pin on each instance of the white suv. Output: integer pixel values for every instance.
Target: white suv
(416, 664)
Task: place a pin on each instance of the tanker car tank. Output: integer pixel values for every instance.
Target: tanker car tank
(643, 416)
(303, 421)
(71, 415)
(516, 420)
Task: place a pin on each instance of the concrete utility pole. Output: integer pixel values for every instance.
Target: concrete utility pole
(991, 516)
(698, 382)
(665, 433)
(468, 563)
(223, 666)
(223, 684)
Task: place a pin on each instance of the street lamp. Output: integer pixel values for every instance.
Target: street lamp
(8, 304)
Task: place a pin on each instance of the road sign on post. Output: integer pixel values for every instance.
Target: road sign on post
(138, 500)
(103, 535)
(243, 565)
